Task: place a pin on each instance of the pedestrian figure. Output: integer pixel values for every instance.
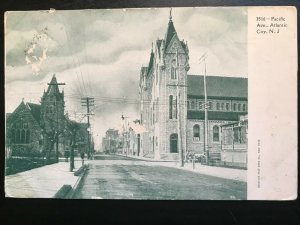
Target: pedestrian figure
(82, 157)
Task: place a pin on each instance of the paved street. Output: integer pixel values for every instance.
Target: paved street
(117, 177)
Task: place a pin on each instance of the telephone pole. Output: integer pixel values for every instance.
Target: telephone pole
(206, 151)
(88, 102)
(57, 122)
(124, 118)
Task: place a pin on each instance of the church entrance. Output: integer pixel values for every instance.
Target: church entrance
(174, 143)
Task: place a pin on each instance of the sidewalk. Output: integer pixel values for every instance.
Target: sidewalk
(42, 182)
(222, 172)
(146, 159)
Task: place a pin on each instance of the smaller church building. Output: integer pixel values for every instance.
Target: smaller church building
(41, 129)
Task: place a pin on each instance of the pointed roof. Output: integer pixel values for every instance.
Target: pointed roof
(53, 88)
(170, 32)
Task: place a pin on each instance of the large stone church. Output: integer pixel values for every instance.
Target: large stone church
(172, 102)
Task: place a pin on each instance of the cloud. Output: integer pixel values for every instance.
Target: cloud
(99, 53)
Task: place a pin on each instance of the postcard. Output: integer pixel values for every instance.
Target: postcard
(185, 103)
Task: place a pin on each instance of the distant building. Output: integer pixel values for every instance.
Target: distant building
(111, 141)
(172, 102)
(40, 129)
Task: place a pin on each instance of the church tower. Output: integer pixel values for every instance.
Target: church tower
(52, 108)
(174, 64)
(163, 97)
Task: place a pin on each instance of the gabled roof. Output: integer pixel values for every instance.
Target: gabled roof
(217, 86)
(35, 110)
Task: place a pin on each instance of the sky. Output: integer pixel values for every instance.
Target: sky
(99, 53)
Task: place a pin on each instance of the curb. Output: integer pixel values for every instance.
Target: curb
(80, 173)
(80, 170)
(63, 191)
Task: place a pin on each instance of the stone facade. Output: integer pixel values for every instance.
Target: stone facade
(163, 95)
(172, 102)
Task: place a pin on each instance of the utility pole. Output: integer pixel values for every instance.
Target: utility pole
(88, 102)
(124, 118)
(57, 122)
(206, 151)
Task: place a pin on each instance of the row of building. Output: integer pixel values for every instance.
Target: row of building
(44, 130)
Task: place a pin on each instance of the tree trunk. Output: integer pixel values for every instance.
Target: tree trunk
(57, 152)
(48, 154)
(72, 152)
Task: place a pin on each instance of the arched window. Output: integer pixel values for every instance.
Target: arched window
(196, 132)
(20, 133)
(239, 107)
(244, 107)
(188, 105)
(173, 143)
(227, 106)
(192, 104)
(215, 133)
(234, 106)
(218, 106)
(200, 105)
(222, 106)
(153, 114)
(210, 106)
(173, 70)
(170, 106)
(23, 136)
(18, 136)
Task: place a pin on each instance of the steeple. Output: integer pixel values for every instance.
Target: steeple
(170, 31)
(53, 87)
